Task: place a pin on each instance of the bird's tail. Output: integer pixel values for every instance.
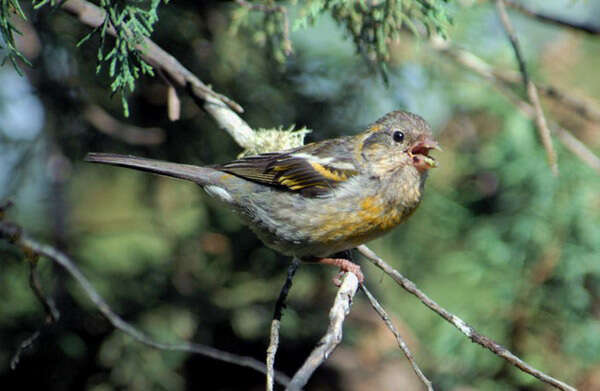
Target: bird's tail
(199, 175)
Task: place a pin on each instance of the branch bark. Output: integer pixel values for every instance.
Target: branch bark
(582, 27)
(460, 324)
(540, 119)
(588, 111)
(333, 336)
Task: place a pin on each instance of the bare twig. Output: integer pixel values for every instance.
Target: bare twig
(581, 107)
(542, 125)
(134, 135)
(173, 104)
(471, 61)
(460, 324)
(52, 313)
(14, 234)
(333, 336)
(586, 28)
(269, 9)
(540, 119)
(570, 142)
(514, 41)
(578, 148)
(275, 324)
(219, 106)
(26, 344)
(385, 317)
(501, 79)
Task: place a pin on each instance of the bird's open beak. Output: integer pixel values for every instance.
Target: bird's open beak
(419, 154)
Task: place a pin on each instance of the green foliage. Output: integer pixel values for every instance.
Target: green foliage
(372, 25)
(132, 22)
(7, 31)
(273, 29)
(127, 23)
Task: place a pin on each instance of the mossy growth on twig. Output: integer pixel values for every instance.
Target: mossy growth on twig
(276, 139)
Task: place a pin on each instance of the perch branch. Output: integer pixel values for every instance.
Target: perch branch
(460, 324)
(401, 344)
(540, 119)
(275, 324)
(14, 234)
(333, 336)
(586, 28)
(219, 106)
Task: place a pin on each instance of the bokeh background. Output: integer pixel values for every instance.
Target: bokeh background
(498, 240)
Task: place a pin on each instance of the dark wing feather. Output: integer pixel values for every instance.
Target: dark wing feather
(312, 170)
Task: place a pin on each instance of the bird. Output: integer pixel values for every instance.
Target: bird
(320, 199)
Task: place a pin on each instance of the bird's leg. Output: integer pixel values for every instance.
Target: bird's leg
(344, 265)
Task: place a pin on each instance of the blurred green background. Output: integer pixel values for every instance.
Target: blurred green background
(498, 240)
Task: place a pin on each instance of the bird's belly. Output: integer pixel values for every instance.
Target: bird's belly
(316, 227)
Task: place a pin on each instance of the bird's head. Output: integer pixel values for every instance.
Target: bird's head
(398, 139)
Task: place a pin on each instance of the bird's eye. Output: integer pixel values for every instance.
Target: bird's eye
(398, 136)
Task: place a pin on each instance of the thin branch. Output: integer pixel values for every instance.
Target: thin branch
(401, 344)
(500, 80)
(130, 134)
(581, 107)
(468, 59)
(540, 119)
(52, 313)
(570, 142)
(219, 106)
(542, 125)
(514, 41)
(13, 233)
(26, 344)
(460, 324)
(333, 336)
(582, 27)
(275, 324)
(578, 148)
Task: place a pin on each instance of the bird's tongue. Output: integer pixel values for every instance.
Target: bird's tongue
(424, 162)
(420, 155)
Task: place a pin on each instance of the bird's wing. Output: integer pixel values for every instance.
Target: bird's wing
(313, 170)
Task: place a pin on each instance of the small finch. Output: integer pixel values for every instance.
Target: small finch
(322, 198)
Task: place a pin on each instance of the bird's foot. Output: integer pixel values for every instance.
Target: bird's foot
(345, 266)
